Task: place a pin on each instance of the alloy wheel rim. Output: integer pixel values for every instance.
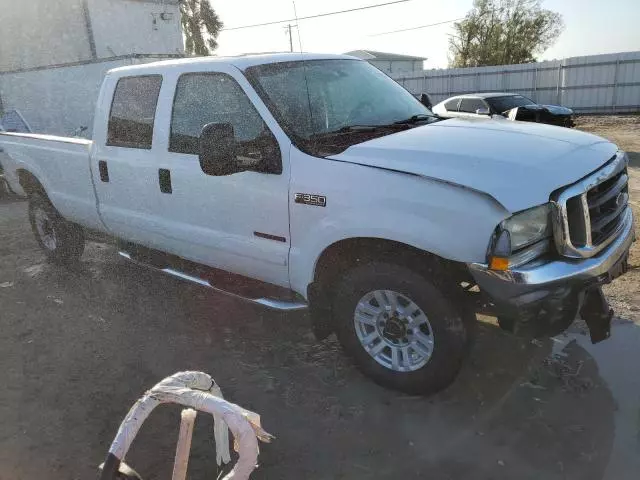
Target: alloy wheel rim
(45, 229)
(394, 330)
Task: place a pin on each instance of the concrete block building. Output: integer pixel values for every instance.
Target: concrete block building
(54, 53)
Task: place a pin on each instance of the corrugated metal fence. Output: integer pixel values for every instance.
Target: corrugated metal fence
(591, 84)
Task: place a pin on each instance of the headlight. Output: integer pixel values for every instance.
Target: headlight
(521, 238)
(529, 226)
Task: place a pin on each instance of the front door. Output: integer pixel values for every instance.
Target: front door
(237, 222)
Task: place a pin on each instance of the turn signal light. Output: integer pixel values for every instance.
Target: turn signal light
(499, 263)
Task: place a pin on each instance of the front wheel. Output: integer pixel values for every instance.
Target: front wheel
(61, 240)
(401, 329)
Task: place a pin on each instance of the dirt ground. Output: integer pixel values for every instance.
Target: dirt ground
(624, 130)
(79, 346)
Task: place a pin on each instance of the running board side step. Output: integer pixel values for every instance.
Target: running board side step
(271, 303)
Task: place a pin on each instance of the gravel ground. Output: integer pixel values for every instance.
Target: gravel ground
(79, 346)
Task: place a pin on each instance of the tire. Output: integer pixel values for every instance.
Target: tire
(413, 367)
(5, 189)
(61, 240)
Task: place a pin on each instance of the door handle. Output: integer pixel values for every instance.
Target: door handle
(104, 171)
(164, 177)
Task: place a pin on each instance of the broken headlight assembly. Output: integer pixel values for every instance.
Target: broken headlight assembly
(521, 238)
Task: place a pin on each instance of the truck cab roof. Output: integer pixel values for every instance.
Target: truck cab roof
(241, 62)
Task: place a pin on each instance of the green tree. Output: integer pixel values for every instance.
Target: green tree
(200, 26)
(502, 32)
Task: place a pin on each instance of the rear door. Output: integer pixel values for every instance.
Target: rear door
(124, 166)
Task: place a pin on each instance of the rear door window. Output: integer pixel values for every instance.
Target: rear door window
(133, 111)
(452, 105)
(470, 105)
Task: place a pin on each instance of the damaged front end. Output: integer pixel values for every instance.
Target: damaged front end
(549, 114)
(592, 229)
(556, 313)
(543, 297)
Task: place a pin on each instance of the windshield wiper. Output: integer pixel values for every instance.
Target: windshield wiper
(357, 129)
(421, 117)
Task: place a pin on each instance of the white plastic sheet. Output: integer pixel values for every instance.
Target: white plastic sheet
(198, 390)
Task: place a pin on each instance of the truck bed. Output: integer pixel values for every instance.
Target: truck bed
(61, 165)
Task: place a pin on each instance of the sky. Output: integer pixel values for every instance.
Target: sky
(591, 27)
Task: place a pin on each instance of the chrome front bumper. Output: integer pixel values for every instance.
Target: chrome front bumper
(533, 282)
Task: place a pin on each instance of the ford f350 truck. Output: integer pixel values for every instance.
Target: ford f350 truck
(317, 181)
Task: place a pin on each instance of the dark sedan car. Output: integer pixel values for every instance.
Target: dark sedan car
(509, 105)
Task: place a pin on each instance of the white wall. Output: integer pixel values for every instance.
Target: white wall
(123, 27)
(42, 33)
(34, 33)
(58, 100)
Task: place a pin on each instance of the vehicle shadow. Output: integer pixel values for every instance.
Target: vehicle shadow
(6, 198)
(106, 332)
(634, 159)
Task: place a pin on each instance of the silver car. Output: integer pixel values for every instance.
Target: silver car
(509, 105)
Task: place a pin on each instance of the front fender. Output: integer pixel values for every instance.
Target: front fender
(450, 221)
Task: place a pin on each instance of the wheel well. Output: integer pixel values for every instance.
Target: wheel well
(30, 183)
(348, 253)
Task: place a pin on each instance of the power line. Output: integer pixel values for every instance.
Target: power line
(416, 28)
(366, 7)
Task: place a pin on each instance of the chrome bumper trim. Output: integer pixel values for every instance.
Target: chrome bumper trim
(540, 272)
(561, 228)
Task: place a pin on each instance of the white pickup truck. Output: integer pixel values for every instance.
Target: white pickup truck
(298, 181)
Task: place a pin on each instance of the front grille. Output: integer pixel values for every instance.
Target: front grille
(607, 202)
(590, 213)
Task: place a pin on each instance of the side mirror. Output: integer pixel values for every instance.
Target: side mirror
(483, 111)
(425, 100)
(217, 149)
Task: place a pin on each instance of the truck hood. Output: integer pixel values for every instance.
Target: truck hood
(519, 164)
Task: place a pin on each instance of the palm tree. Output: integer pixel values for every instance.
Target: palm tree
(200, 25)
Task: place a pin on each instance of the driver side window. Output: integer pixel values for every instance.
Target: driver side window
(203, 98)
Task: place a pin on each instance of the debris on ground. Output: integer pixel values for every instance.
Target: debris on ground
(532, 385)
(568, 374)
(55, 300)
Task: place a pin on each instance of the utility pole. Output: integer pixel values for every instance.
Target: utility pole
(289, 28)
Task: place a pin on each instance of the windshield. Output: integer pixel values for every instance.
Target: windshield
(311, 98)
(502, 104)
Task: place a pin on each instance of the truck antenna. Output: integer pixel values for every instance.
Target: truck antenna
(304, 65)
(295, 14)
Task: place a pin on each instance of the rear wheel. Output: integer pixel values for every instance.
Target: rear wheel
(400, 328)
(62, 241)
